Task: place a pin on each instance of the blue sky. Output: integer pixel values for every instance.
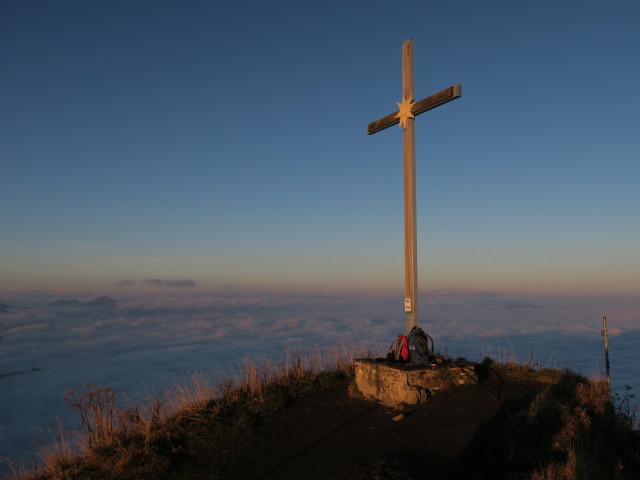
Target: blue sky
(225, 143)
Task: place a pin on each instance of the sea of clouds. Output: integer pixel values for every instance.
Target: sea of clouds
(147, 341)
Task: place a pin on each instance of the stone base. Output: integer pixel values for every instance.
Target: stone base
(395, 384)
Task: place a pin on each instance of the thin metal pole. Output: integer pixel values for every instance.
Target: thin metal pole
(605, 334)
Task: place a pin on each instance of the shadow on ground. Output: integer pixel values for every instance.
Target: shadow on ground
(459, 433)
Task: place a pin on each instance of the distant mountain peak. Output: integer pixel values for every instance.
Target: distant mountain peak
(102, 302)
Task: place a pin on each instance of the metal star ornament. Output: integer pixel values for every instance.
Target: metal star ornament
(404, 111)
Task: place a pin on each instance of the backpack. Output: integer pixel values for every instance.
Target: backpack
(399, 350)
(419, 343)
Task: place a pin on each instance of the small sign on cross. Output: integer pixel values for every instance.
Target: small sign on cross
(405, 116)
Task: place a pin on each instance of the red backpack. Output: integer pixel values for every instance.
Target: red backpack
(399, 350)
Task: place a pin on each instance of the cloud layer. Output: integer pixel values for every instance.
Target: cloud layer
(158, 282)
(146, 340)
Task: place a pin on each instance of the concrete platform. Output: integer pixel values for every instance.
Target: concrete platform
(396, 384)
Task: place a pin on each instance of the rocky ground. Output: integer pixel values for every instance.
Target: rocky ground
(457, 434)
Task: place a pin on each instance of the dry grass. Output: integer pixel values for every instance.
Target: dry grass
(194, 391)
(579, 432)
(148, 440)
(529, 368)
(59, 456)
(564, 470)
(573, 429)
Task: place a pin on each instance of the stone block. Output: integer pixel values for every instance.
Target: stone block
(395, 384)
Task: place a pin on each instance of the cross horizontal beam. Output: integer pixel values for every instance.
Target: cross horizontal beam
(424, 105)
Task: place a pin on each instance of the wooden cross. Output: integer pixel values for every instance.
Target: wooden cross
(405, 116)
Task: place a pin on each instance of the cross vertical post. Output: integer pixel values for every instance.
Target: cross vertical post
(405, 116)
(410, 230)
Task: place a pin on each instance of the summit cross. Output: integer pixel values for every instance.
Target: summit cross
(405, 116)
